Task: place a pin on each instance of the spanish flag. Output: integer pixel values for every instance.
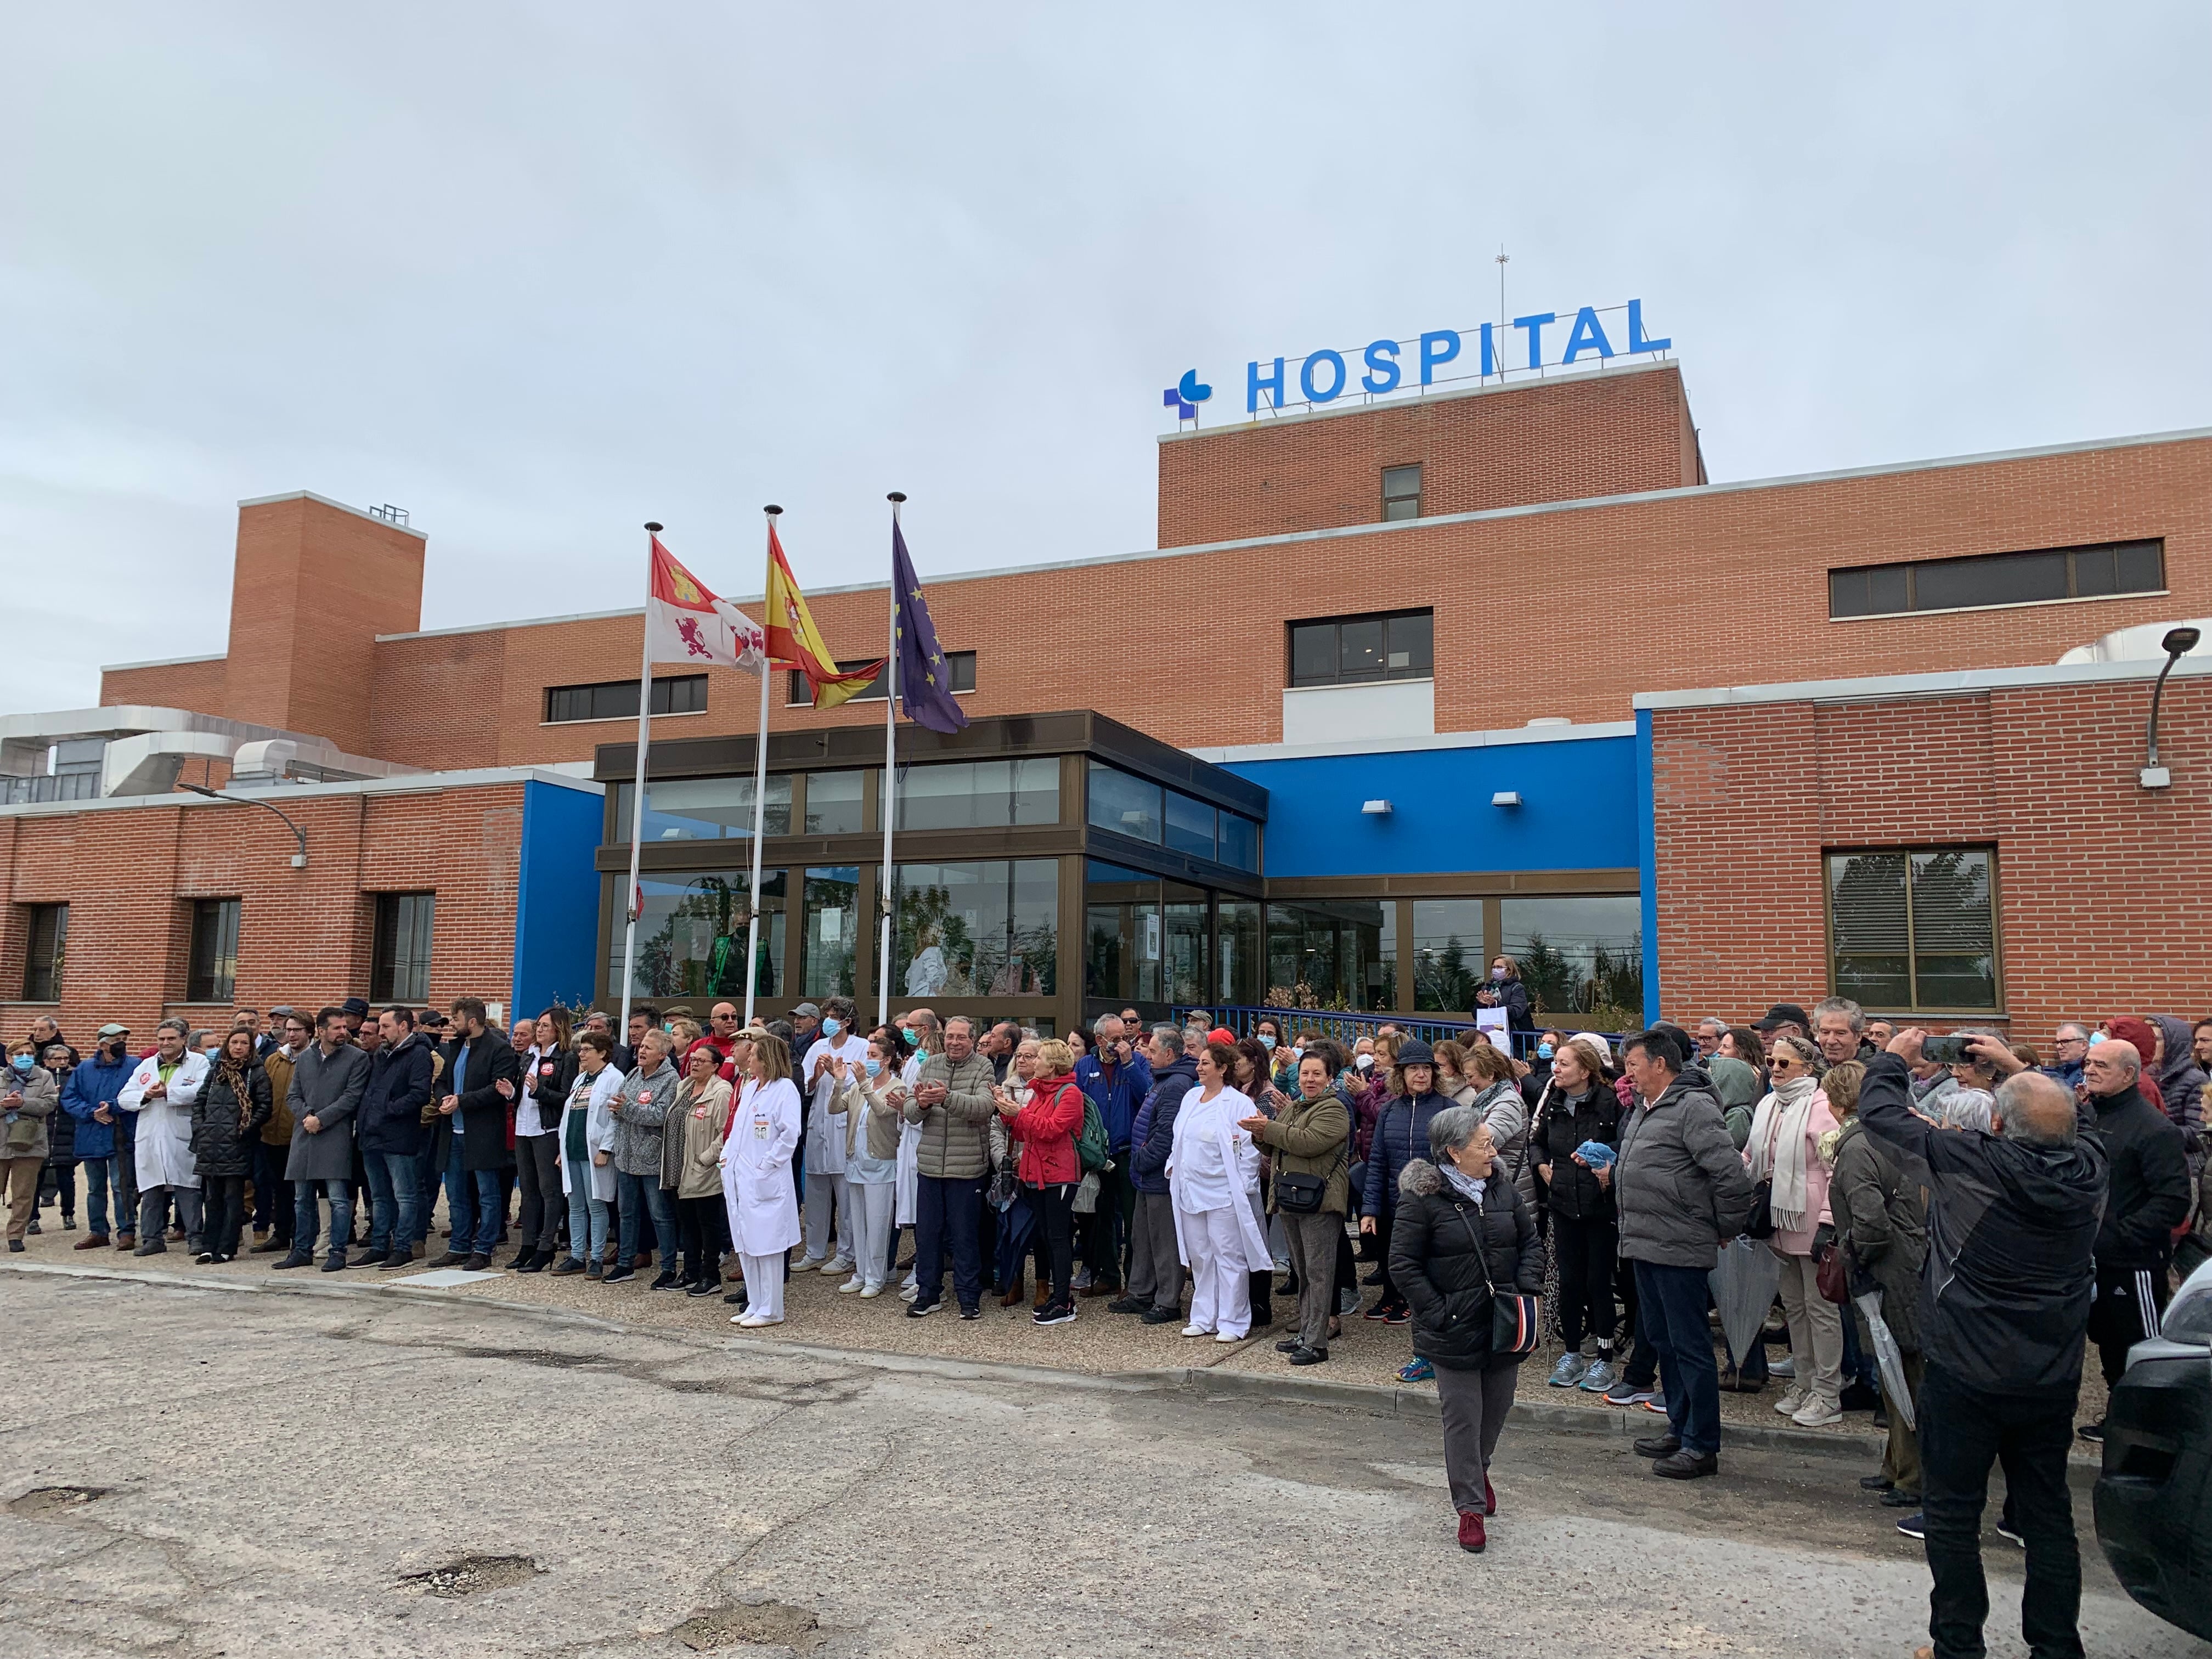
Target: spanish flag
(794, 641)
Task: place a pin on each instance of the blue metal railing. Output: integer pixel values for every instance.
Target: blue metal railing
(1347, 1027)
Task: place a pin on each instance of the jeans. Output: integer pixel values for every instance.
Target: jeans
(392, 1220)
(59, 1179)
(272, 1208)
(639, 1194)
(1962, 1431)
(1055, 1220)
(587, 1214)
(97, 1174)
(426, 1189)
(127, 1178)
(306, 1218)
(473, 1205)
(224, 1198)
(945, 1214)
(1673, 1300)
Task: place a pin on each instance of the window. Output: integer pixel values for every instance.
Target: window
(1449, 962)
(829, 940)
(47, 935)
(989, 928)
(1914, 929)
(212, 974)
(702, 809)
(1361, 650)
(978, 794)
(1124, 803)
(1240, 962)
(1581, 958)
(836, 804)
(399, 948)
(1401, 492)
(1189, 825)
(1240, 841)
(1994, 579)
(691, 936)
(1120, 933)
(960, 664)
(617, 700)
(1340, 955)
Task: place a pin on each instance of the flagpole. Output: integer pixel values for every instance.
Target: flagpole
(760, 800)
(889, 790)
(631, 902)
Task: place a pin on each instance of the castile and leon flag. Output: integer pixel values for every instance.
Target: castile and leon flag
(685, 623)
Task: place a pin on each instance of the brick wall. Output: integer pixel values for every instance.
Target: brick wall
(2104, 889)
(1605, 434)
(304, 935)
(198, 686)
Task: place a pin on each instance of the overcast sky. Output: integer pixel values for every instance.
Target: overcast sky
(539, 272)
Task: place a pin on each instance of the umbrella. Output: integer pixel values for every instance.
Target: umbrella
(1743, 1286)
(1886, 1356)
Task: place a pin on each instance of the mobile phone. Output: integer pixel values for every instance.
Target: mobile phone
(1945, 1050)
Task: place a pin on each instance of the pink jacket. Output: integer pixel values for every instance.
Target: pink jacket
(1821, 1120)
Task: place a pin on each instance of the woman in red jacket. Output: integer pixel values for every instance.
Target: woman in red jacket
(1047, 1123)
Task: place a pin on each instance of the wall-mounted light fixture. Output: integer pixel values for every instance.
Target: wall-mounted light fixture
(299, 858)
(1506, 798)
(1376, 809)
(2176, 644)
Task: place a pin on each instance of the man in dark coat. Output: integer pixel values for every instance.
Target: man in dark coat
(2148, 1196)
(1155, 1268)
(483, 1079)
(2004, 1302)
(392, 1134)
(328, 1078)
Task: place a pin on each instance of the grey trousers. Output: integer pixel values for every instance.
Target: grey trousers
(1313, 1240)
(1155, 1266)
(154, 1213)
(1475, 1407)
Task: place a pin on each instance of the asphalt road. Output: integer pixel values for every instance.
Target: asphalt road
(275, 1472)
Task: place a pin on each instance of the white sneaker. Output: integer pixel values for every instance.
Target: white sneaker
(867, 1290)
(843, 1264)
(1196, 1330)
(745, 1318)
(855, 1283)
(1082, 1279)
(1226, 1336)
(1792, 1402)
(1785, 1366)
(1817, 1414)
(806, 1264)
(908, 1292)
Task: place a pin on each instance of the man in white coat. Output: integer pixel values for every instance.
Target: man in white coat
(1213, 1170)
(756, 1179)
(159, 1097)
(825, 1143)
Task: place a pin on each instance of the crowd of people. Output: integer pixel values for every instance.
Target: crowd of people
(1594, 1191)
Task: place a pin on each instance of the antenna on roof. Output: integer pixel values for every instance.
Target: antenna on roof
(1504, 260)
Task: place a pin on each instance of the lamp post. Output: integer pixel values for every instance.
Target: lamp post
(2176, 644)
(299, 858)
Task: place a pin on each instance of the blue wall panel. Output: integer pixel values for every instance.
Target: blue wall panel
(1578, 810)
(556, 911)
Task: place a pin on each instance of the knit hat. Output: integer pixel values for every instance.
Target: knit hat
(1414, 1052)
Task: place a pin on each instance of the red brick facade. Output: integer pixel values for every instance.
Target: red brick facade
(128, 874)
(2103, 888)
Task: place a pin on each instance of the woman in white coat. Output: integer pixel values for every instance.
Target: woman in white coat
(756, 1179)
(1213, 1171)
(587, 1152)
(160, 1097)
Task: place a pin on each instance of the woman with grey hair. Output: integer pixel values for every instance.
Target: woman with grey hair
(1464, 1235)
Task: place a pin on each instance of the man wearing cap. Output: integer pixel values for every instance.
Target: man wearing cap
(805, 1031)
(89, 1098)
(356, 1009)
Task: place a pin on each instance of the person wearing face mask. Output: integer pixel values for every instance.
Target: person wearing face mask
(868, 1096)
(1504, 990)
(89, 1098)
(28, 1098)
(827, 1218)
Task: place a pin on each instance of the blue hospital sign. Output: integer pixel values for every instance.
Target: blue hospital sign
(1388, 366)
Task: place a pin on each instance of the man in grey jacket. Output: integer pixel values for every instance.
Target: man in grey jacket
(1681, 1189)
(952, 1101)
(327, 1081)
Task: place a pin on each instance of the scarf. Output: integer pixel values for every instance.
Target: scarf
(1778, 1132)
(1469, 1187)
(229, 1073)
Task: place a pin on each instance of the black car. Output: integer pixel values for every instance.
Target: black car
(2153, 1500)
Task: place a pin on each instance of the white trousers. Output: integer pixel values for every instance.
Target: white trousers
(868, 1226)
(764, 1284)
(822, 1192)
(1220, 1289)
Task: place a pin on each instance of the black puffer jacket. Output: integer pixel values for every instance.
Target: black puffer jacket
(223, 1134)
(1566, 1123)
(1438, 1267)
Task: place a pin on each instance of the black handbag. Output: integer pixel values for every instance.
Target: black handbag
(1299, 1193)
(1515, 1325)
(1760, 1222)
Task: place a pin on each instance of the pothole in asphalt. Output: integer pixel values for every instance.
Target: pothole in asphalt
(759, 1624)
(50, 1500)
(472, 1575)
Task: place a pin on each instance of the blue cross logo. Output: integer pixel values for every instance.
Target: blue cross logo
(1186, 395)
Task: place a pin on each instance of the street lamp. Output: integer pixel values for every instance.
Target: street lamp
(2178, 643)
(299, 858)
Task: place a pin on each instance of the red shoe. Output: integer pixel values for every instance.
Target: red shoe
(1470, 1532)
(1489, 1496)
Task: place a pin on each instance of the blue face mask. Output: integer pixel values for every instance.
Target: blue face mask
(1543, 1051)
(873, 1065)
(910, 1034)
(23, 1062)
(1266, 1041)
(831, 1027)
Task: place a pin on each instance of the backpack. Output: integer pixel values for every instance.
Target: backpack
(1091, 1150)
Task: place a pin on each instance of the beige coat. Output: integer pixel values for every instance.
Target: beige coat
(691, 1138)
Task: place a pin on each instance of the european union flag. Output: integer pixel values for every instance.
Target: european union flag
(925, 680)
